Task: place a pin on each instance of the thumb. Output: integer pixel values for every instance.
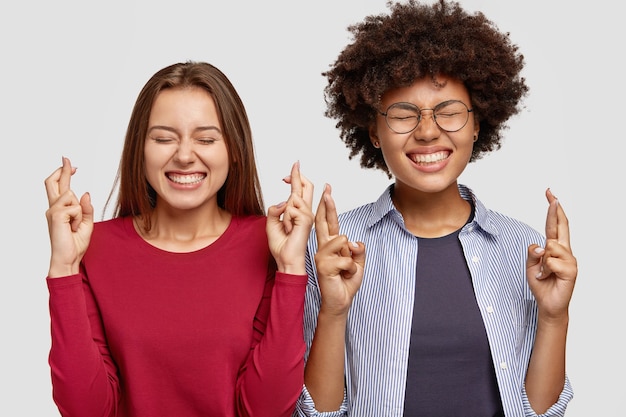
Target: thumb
(87, 208)
(533, 262)
(358, 253)
(274, 212)
(85, 217)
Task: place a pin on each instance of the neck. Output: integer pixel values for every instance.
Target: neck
(186, 231)
(431, 215)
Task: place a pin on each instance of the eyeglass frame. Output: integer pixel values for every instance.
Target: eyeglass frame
(419, 115)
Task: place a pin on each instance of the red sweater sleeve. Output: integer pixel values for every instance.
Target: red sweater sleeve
(272, 378)
(84, 377)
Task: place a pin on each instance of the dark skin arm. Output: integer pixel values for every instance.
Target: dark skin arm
(551, 273)
(340, 266)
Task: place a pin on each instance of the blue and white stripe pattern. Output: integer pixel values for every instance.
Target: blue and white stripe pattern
(379, 323)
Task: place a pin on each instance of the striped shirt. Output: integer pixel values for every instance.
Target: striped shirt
(379, 322)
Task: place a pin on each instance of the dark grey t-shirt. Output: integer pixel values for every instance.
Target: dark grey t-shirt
(450, 369)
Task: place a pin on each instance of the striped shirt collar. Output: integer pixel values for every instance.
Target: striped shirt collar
(384, 207)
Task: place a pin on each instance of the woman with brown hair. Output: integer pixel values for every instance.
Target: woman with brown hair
(189, 301)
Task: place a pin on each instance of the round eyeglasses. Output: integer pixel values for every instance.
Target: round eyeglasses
(451, 116)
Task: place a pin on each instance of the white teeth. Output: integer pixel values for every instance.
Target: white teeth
(186, 179)
(430, 158)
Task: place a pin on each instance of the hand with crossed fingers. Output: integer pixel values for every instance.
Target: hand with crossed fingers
(551, 271)
(339, 262)
(289, 224)
(70, 222)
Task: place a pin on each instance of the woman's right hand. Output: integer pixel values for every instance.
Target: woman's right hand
(70, 222)
(339, 262)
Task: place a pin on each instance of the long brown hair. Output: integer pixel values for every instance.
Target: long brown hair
(241, 193)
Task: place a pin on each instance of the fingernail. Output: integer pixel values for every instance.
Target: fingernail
(282, 203)
(354, 244)
(539, 250)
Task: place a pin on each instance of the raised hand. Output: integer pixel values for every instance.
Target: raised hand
(70, 222)
(339, 262)
(552, 271)
(289, 224)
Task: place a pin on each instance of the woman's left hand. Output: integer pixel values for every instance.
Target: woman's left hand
(552, 271)
(289, 224)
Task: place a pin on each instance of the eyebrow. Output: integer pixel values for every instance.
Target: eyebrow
(197, 129)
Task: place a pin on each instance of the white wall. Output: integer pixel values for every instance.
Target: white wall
(71, 71)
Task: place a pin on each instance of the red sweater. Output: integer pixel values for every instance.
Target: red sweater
(142, 332)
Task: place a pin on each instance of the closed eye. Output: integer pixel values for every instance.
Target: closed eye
(206, 141)
(403, 117)
(158, 139)
(447, 114)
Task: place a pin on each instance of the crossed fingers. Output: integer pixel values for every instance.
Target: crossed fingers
(58, 183)
(557, 224)
(301, 196)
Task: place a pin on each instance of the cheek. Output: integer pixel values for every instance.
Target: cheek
(154, 159)
(391, 143)
(148, 160)
(215, 158)
(151, 173)
(465, 147)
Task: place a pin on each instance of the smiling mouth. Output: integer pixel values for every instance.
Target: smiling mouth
(186, 179)
(429, 158)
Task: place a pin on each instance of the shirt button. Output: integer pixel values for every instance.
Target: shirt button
(489, 309)
(502, 365)
(475, 259)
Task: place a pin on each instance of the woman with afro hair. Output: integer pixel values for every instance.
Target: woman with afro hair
(455, 309)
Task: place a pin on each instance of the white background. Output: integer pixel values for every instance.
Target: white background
(71, 71)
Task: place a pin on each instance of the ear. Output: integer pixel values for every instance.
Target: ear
(374, 136)
(476, 127)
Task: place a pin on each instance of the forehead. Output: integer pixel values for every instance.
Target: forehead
(427, 92)
(183, 103)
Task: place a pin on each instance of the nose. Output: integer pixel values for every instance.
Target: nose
(185, 153)
(427, 128)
